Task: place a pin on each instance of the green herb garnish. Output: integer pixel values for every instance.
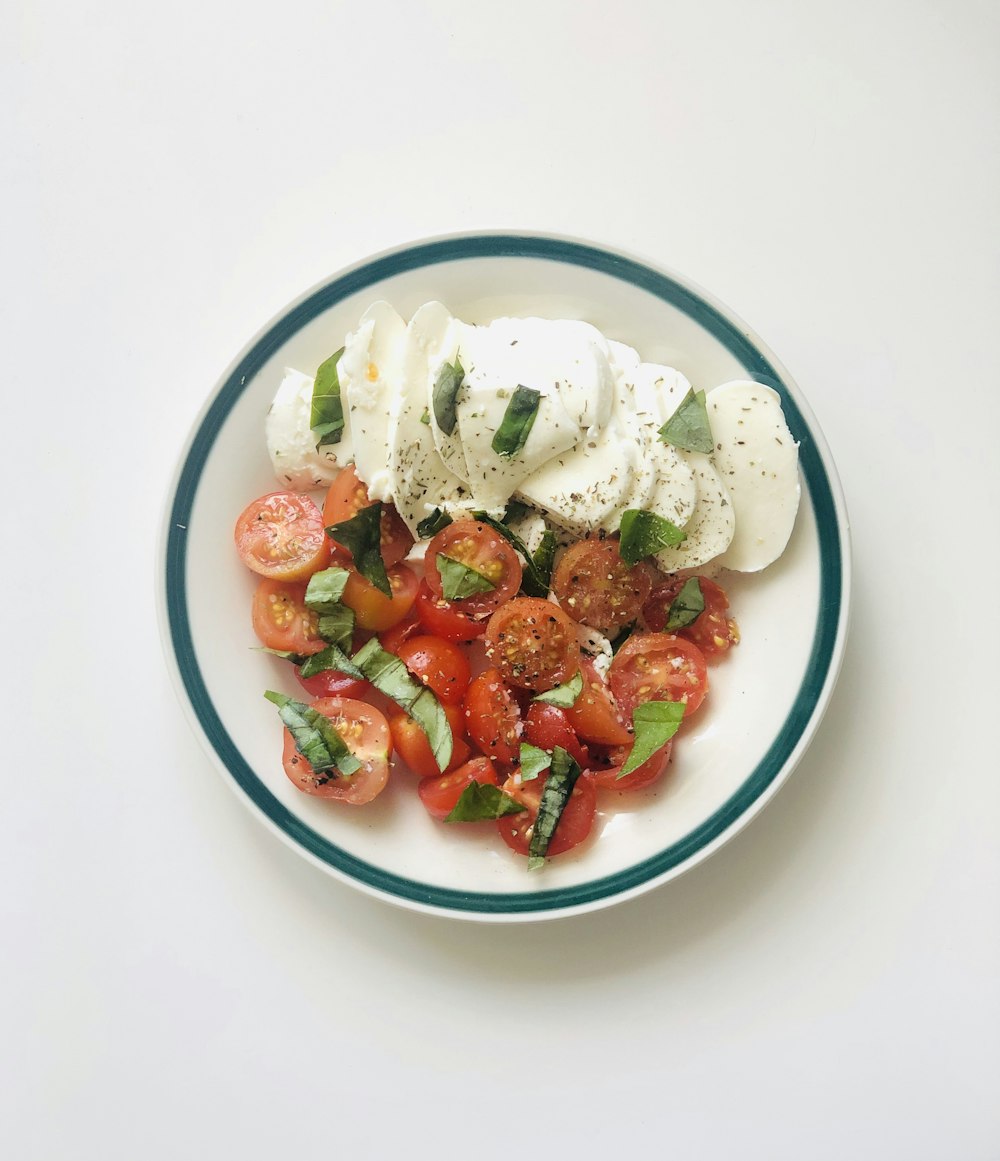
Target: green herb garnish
(325, 589)
(542, 560)
(432, 525)
(555, 794)
(426, 417)
(688, 428)
(314, 736)
(458, 580)
(564, 696)
(480, 802)
(445, 395)
(326, 415)
(515, 510)
(284, 654)
(362, 537)
(336, 626)
(655, 723)
(537, 576)
(332, 657)
(687, 606)
(533, 760)
(643, 533)
(518, 419)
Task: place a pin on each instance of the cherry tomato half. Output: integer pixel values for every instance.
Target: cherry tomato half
(441, 792)
(493, 718)
(366, 734)
(414, 749)
(373, 610)
(439, 664)
(594, 715)
(574, 823)
(333, 683)
(281, 536)
(281, 619)
(533, 643)
(345, 499)
(597, 588)
(444, 619)
(485, 551)
(712, 631)
(547, 726)
(606, 776)
(658, 667)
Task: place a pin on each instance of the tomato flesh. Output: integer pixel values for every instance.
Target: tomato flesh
(482, 549)
(493, 718)
(712, 630)
(366, 734)
(444, 619)
(282, 621)
(658, 667)
(597, 588)
(345, 499)
(593, 715)
(281, 536)
(547, 726)
(606, 777)
(414, 749)
(440, 665)
(574, 823)
(373, 610)
(440, 792)
(533, 643)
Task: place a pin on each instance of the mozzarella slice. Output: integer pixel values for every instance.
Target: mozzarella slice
(297, 462)
(709, 529)
(371, 372)
(758, 460)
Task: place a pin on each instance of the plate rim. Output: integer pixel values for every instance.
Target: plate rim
(800, 724)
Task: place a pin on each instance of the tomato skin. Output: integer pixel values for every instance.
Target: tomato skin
(443, 618)
(492, 718)
(366, 733)
(440, 792)
(547, 726)
(281, 536)
(345, 499)
(606, 777)
(282, 621)
(410, 626)
(712, 631)
(438, 664)
(482, 548)
(333, 683)
(574, 823)
(658, 667)
(533, 643)
(373, 610)
(597, 588)
(594, 716)
(413, 748)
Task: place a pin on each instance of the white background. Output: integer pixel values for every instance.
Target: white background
(174, 982)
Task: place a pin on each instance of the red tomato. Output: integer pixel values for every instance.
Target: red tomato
(547, 726)
(444, 619)
(373, 610)
(594, 716)
(281, 536)
(345, 499)
(712, 631)
(410, 626)
(597, 588)
(366, 734)
(574, 823)
(333, 683)
(533, 643)
(281, 619)
(441, 792)
(441, 665)
(481, 548)
(493, 718)
(412, 746)
(658, 667)
(645, 775)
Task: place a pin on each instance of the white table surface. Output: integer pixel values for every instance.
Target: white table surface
(175, 982)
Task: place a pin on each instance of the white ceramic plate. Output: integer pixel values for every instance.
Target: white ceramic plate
(767, 696)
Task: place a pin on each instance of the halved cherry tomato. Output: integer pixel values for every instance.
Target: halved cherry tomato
(441, 792)
(593, 715)
(439, 664)
(410, 626)
(444, 619)
(345, 499)
(281, 536)
(547, 726)
(333, 683)
(574, 823)
(712, 631)
(597, 588)
(281, 619)
(373, 610)
(493, 718)
(485, 551)
(366, 734)
(658, 667)
(645, 775)
(413, 747)
(533, 643)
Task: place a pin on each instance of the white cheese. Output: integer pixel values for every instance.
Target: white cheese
(297, 462)
(710, 528)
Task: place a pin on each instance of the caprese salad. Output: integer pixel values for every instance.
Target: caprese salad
(494, 560)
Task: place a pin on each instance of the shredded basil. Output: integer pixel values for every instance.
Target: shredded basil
(332, 657)
(362, 537)
(458, 580)
(432, 525)
(564, 696)
(655, 723)
(643, 533)
(555, 794)
(480, 802)
(284, 654)
(314, 736)
(325, 589)
(518, 419)
(537, 577)
(326, 414)
(533, 760)
(390, 676)
(426, 417)
(336, 626)
(687, 606)
(514, 511)
(688, 428)
(445, 395)
(542, 560)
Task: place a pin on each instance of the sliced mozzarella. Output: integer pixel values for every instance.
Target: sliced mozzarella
(297, 462)
(710, 527)
(371, 371)
(758, 460)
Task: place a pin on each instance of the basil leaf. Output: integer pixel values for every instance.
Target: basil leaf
(543, 558)
(362, 537)
(687, 606)
(517, 422)
(336, 626)
(332, 657)
(643, 533)
(325, 589)
(458, 580)
(390, 676)
(655, 723)
(326, 415)
(536, 579)
(432, 525)
(285, 654)
(314, 736)
(480, 801)
(564, 696)
(533, 761)
(555, 794)
(514, 511)
(426, 417)
(688, 428)
(445, 395)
